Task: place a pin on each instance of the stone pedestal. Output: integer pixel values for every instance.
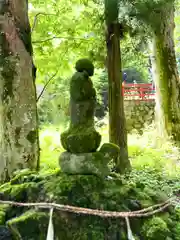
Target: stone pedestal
(84, 163)
(95, 163)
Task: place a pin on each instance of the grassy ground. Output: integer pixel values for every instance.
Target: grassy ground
(142, 151)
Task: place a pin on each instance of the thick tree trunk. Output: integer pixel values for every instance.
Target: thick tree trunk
(19, 144)
(167, 80)
(117, 123)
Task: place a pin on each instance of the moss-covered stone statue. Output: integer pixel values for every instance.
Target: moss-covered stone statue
(81, 137)
(82, 140)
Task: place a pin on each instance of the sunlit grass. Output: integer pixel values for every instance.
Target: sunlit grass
(142, 150)
(50, 147)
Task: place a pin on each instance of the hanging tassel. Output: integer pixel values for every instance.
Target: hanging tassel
(129, 232)
(50, 233)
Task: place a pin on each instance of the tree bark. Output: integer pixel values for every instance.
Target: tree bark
(117, 123)
(167, 79)
(19, 144)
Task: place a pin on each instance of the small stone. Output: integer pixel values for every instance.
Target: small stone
(5, 233)
(110, 150)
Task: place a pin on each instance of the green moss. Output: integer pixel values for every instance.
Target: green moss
(81, 87)
(85, 65)
(157, 196)
(81, 137)
(110, 149)
(177, 231)
(22, 186)
(81, 140)
(3, 209)
(167, 68)
(29, 225)
(116, 194)
(156, 228)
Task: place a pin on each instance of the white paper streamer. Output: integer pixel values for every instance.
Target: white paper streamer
(129, 232)
(50, 233)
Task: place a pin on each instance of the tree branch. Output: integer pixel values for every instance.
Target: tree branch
(36, 17)
(45, 86)
(60, 37)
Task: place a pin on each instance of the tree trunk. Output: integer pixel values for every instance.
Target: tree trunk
(167, 80)
(19, 144)
(117, 123)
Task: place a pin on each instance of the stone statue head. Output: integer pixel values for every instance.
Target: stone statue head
(85, 65)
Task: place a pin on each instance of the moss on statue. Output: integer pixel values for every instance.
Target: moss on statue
(81, 87)
(81, 140)
(116, 194)
(85, 65)
(81, 137)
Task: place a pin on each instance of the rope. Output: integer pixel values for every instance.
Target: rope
(86, 211)
(146, 212)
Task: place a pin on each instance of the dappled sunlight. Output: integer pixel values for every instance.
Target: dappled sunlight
(50, 147)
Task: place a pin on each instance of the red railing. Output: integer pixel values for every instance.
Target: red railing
(142, 91)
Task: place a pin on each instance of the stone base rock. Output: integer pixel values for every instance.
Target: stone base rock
(84, 163)
(94, 163)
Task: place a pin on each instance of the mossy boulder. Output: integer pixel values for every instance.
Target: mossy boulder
(117, 193)
(156, 228)
(80, 140)
(32, 223)
(85, 65)
(110, 150)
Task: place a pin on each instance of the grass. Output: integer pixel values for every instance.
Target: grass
(142, 151)
(50, 147)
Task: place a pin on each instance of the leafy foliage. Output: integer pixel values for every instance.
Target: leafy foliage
(64, 31)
